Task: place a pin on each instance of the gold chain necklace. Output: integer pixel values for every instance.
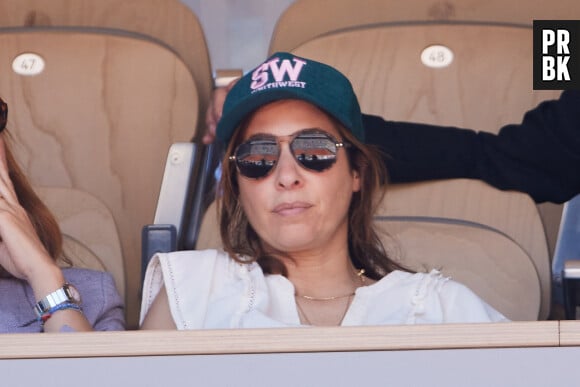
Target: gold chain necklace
(359, 274)
(310, 298)
(350, 296)
(307, 320)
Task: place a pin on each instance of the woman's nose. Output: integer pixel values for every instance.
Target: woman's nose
(288, 173)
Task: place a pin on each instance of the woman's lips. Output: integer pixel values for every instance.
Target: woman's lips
(294, 208)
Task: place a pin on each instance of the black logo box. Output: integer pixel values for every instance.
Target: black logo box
(573, 64)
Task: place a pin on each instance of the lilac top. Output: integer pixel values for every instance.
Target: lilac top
(101, 303)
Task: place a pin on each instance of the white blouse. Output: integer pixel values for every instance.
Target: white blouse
(209, 290)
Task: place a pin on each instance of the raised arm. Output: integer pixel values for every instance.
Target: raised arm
(539, 156)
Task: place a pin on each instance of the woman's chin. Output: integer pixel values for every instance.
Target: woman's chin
(290, 243)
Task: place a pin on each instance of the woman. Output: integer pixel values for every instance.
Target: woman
(299, 188)
(36, 295)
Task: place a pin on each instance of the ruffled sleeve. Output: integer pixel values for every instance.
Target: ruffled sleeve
(438, 299)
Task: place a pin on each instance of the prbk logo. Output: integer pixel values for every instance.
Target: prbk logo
(274, 74)
(556, 54)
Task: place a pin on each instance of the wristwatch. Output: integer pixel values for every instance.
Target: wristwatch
(66, 293)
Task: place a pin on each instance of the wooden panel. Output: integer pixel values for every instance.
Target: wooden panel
(224, 341)
(100, 118)
(307, 19)
(569, 333)
(169, 22)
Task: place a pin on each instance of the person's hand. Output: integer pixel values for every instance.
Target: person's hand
(22, 253)
(214, 111)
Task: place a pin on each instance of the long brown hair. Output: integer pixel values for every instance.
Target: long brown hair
(42, 219)
(366, 250)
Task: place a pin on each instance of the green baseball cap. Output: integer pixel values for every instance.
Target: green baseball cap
(287, 76)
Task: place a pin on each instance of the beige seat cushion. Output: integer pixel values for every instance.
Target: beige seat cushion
(471, 255)
(91, 239)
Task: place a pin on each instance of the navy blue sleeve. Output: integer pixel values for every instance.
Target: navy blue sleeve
(539, 156)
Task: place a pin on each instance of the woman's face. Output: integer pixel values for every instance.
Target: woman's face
(294, 209)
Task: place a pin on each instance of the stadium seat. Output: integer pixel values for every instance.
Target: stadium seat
(98, 92)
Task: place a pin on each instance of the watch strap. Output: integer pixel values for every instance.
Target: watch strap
(59, 296)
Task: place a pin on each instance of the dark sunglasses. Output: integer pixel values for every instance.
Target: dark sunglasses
(3, 114)
(313, 149)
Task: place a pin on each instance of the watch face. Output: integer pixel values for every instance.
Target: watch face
(73, 293)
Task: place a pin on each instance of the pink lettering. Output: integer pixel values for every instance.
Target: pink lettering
(286, 68)
(260, 76)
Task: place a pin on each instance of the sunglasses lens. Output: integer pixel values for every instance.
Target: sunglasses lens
(314, 150)
(256, 158)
